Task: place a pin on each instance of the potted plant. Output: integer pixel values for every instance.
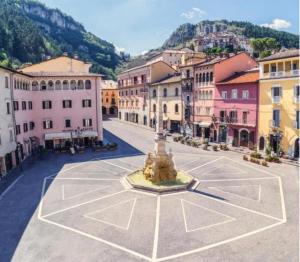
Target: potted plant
(245, 158)
(215, 147)
(264, 163)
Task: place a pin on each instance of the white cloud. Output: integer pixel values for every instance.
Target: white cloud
(195, 12)
(278, 24)
(119, 49)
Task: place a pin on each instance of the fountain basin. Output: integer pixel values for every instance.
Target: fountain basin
(137, 180)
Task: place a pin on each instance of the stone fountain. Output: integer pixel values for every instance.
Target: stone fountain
(159, 173)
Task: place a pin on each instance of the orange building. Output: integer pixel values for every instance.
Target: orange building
(110, 96)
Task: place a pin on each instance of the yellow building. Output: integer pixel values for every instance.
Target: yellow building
(110, 96)
(279, 96)
(169, 90)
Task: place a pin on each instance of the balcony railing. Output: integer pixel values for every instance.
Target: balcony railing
(276, 99)
(233, 120)
(279, 74)
(275, 123)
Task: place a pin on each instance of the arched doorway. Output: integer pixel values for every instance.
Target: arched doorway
(261, 143)
(104, 110)
(112, 110)
(145, 120)
(244, 138)
(296, 148)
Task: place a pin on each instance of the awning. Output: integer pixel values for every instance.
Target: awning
(61, 135)
(204, 124)
(86, 133)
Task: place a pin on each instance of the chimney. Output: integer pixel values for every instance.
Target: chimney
(65, 54)
(48, 57)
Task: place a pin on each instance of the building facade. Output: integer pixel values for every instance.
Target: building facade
(133, 85)
(279, 98)
(110, 98)
(206, 75)
(236, 108)
(55, 104)
(7, 134)
(169, 91)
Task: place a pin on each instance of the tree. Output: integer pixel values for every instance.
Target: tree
(263, 47)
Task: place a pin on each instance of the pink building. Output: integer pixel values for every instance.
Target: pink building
(55, 103)
(236, 108)
(206, 75)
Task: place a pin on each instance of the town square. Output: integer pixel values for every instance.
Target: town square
(176, 140)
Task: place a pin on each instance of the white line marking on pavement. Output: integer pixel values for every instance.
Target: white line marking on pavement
(80, 194)
(97, 239)
(81, 204)
(219, 243)
(10, 187)
(156, 232)
(236, 179)
(237, 195)
(130, 170)
(88, 215)
(230, 219)
(208, 163)
(83, 178)
(282, 200)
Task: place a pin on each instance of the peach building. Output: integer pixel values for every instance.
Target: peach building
(206, 75)
(110, 98)
(55, 103)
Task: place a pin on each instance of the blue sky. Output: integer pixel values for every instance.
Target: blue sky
(139, 25)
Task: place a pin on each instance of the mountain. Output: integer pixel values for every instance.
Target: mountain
(222, 35)
(30, 32)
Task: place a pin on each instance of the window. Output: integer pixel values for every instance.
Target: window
(50, 85)
(47, 124)
(30, 105)
(224, 94)
(34, 85)
(154, 108)
(87, 103)
(188, 98)
(8, 108)
(207, 77)
(6, 82)
(43, 86)
(245, 94)
(276, 94)
(47, 104)
(165, 92)
(176, 108)
(233, 116)
(23, 105)
(11, 136)
(188, 74)
(207, 110)
(297, 120)
(65, 85)
(87, 122)
(297, 93)
(211, 76)
(136, 92)
(16, 105)
(80, 84)
(276, 118)
(143, 79)
(31, 125)
(57, 85)
(234, 94)
(18, 129)
(135, 80)
(176, 91)
(73, 85)
(165, 108)
(25, 127)
(154, 93)
(245, 117)
(67, 103)
(67, 123)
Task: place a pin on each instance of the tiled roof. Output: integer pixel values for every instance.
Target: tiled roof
(242, 77)
(281, 55)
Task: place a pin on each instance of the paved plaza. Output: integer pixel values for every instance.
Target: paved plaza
(80, 208)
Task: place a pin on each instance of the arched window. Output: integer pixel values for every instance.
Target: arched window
(165, 92)
(154, 93)
(57, 85)
(200, 78)
(35, 86)
(23, 85)
(210, 94)
(176, 108)
(165, 108)
(43, 86)
(154, 108)
(50, 85)
(207, 77)
(73, 84)
(176, 91)
(80, 84)
(206, 94)
(88, 84)
(211, 77)
(65, 85)
(197, 78)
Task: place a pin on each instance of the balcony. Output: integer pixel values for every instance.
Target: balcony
(276, 99)
(275, 123)
(280, 74)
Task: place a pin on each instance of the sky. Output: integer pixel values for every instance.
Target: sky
(136, 26)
